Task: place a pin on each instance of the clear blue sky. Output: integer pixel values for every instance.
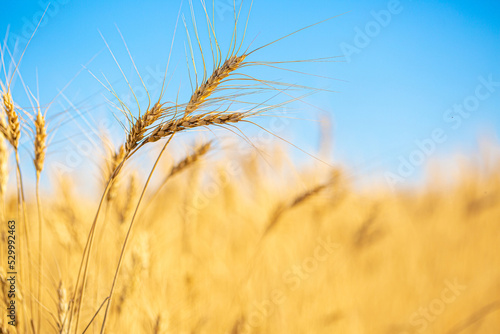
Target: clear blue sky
(402, 74)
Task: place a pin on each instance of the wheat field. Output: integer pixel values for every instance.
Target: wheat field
(207, 237)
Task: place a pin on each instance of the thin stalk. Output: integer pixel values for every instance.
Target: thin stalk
(125, 243)
(87, 251)
(99, 263)
(88, 246)
(23, 217)
(40, 250)
(95, 315)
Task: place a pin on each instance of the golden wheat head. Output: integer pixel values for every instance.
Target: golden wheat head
(40, 141)
(190, 122)
(12, 131)
(209, 86)
(191, 159)
(141, 125)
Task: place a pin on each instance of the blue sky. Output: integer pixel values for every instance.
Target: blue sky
(406, 64)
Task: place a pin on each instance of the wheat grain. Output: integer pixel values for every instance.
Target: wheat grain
(282, 208)
(113, 163)
(190, 122)
(190, 159)
(40, 141)
(210, 85)
(62, 308)
(13, 129)
(136, 133)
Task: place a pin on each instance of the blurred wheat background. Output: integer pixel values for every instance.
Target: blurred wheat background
(205, 194)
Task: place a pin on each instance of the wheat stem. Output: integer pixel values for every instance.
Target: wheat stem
(40, 250)
(86, 254)
(40, 148)
(122, 253)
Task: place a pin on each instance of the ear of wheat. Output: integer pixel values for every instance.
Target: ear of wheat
(141, 125)
(40, 140)
(40, 148)
(190, 122)
(282, 208)
(190, 159)
(62, 308)
(200, 96)
(12, 131)
(210, 85)
(113, 163)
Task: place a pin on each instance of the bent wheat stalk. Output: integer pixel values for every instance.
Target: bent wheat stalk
(162, 131)
(122, 253)
(138, 136)
(134, 137)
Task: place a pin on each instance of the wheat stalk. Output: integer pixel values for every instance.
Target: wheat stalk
(127, 236)
(136, 139)
(125, 209)
(134, 136)
(40, 148)
(169, 129)
(12, 132)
